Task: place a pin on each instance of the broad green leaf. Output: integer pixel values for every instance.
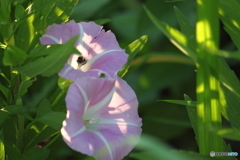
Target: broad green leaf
(182, 102)
(83, 11)
(4, 90)
(19, 12)
(4, 11)
(3, 116)
(2, 148)
(36, 154)
(46, 116)
(15, 109)
(43, 108)
(181, 41)
(60, 11)
(12, 152)
(13, 56)
(26, 31)
(43, 50)
(132, 50)
(50, 64)
(23, 87)
(53, 119)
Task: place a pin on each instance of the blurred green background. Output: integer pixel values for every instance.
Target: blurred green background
(160, 71)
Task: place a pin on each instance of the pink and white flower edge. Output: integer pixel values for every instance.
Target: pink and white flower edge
(102, 118)
(99, 48)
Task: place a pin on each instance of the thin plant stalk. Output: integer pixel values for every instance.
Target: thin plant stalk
(208, 85)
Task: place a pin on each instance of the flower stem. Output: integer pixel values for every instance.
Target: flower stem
(208, 85)
(53, 140)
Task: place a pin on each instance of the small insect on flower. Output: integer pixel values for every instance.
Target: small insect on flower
(81, 61)
(99, 51)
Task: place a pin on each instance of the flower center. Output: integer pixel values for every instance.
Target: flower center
(92, 121)
(90, 124)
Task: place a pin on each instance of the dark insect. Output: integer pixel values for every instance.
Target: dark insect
(81, 60)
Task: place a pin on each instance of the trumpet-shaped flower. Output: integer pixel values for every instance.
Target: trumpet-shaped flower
(102, 118)
(99, 50)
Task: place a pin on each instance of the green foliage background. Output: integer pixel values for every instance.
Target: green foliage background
(159, 71)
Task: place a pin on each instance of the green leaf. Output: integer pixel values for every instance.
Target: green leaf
(4, 11)
(50, 64)
(192, 113)
(15, 109)
(13, 56)
(182, 102)
(230, 107)
(231, 19)
(83, 11)
(181, 41)
(26, 32)
(132, 50)
(23, 87)
(46, 116)
(102, 21)
(186, 27)
(228, 133)
(43, 108)
(36, 154)
(53, 119)
(3, 116)
(4, 90)
(2, 148)
(12, 152)
(60, 11)
(19, 12)
(36, 132)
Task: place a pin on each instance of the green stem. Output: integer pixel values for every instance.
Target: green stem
(53, 140)
(208, 85)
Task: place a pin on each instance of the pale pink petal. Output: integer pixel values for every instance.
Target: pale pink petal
(109, 62)
(109, 114)
(124, 104)
(60, 33)
(77, 137)
(105, 41)
(89, 31)
(89, 91)
(68, 72)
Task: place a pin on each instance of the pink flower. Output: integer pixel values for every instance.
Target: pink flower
(102, 118)
(99, 50)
